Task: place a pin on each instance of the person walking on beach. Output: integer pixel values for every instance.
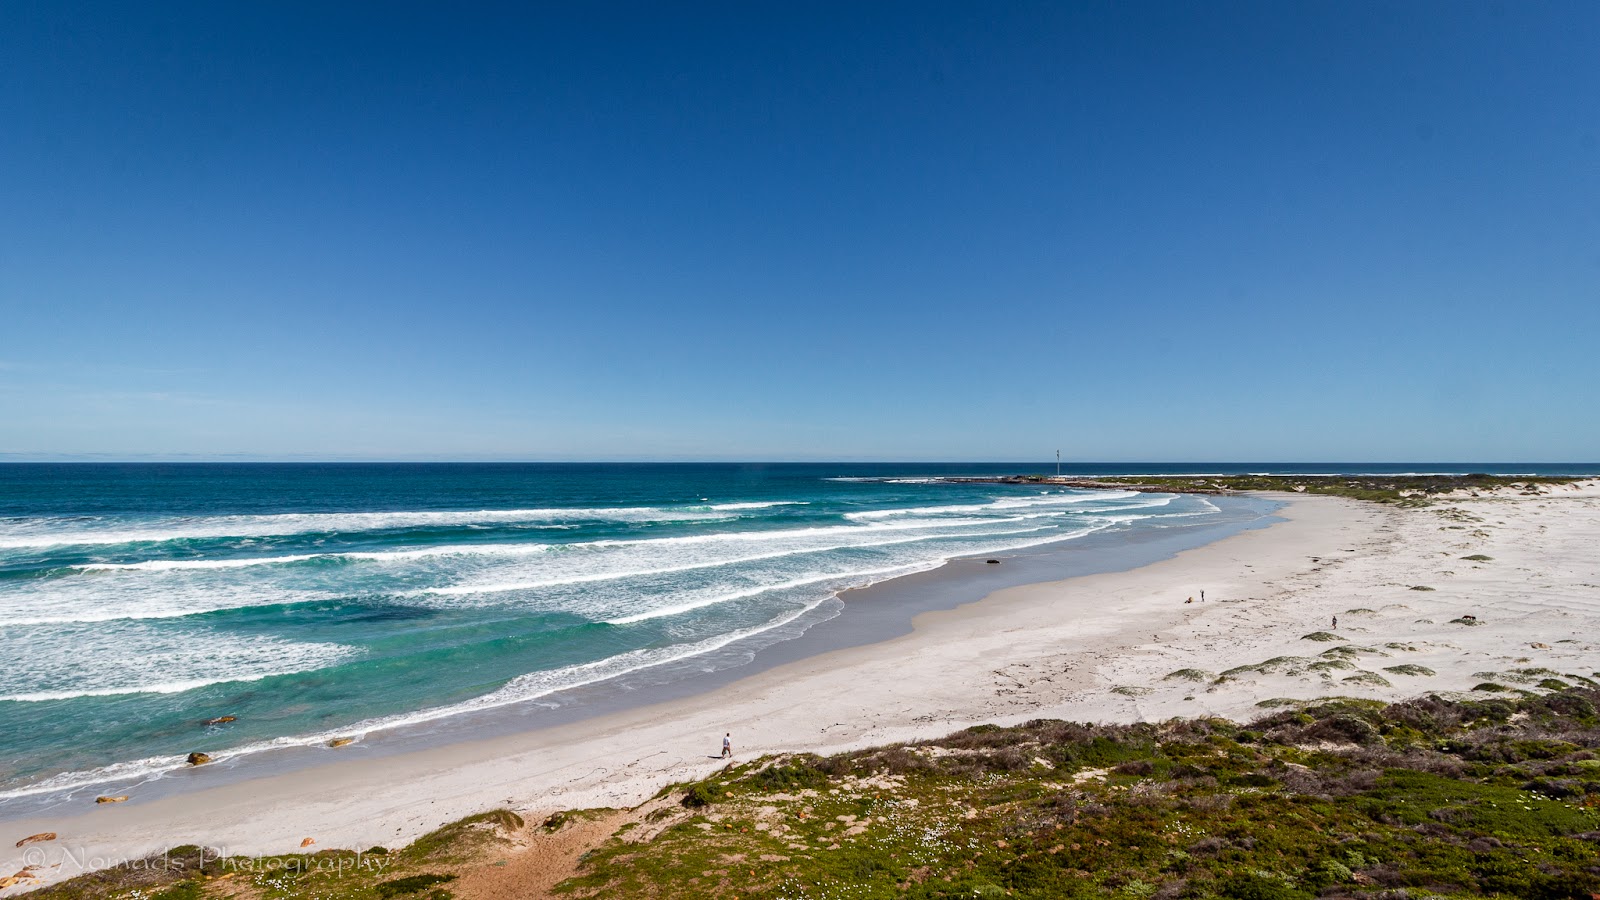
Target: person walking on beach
(727, 745)
(1336, 621)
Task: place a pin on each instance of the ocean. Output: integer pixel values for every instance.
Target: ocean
(308, 602)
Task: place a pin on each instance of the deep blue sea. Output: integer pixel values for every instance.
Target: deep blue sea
(313, 601)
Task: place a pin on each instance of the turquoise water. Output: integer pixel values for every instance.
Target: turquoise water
(315, 601)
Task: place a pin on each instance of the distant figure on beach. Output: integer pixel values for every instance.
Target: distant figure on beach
(1336, 621)
(1202, 596)
(727, 745)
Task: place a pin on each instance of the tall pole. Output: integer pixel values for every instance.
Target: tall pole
(1058, 463)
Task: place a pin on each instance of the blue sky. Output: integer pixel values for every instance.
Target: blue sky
(1254, 231)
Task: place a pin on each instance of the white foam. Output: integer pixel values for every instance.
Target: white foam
(64, 663)
(175, 565)
(106, 599)
(56, 532)
(845, 577)
(839, 537)
(762, 504)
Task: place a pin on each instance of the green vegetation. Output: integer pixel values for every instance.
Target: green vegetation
(1410, 669)
(1405, 490)
(1342, 798)
(412, 884)
(1478, 557)
(1496, 796)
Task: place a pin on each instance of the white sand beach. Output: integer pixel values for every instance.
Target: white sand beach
(1097, 648)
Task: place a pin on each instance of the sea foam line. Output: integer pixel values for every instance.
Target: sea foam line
(48, 532)
(592, 577)
(522, 549)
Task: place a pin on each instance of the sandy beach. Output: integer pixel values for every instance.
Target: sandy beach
(1125, 646)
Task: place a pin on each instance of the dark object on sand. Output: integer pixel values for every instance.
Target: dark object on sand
(199, 759)
(992, 562)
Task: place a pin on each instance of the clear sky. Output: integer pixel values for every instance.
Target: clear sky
(919, 230)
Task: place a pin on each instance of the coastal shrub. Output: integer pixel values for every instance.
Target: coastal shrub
(1420, 587)
(461, 835)
(792, 776)
(1286, 664)
(1321, 636)
(1344, 728)
(1258, 887)
(703, 794)
(1464, 621)
(1409, 797)
(1477, 557)
(1551, 684)
(411, 884)
(1371, 679)
(1189, 675)
(1490, 686)
(1572, 704)
(1409, 669)
(183, 890)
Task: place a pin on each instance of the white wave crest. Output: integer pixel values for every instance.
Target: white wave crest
(70, 662)
(56, 532)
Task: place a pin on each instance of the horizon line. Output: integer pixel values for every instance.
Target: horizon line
(87, 458)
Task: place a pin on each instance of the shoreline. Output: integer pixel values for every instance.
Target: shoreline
(1093, 648)
(872, 613)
